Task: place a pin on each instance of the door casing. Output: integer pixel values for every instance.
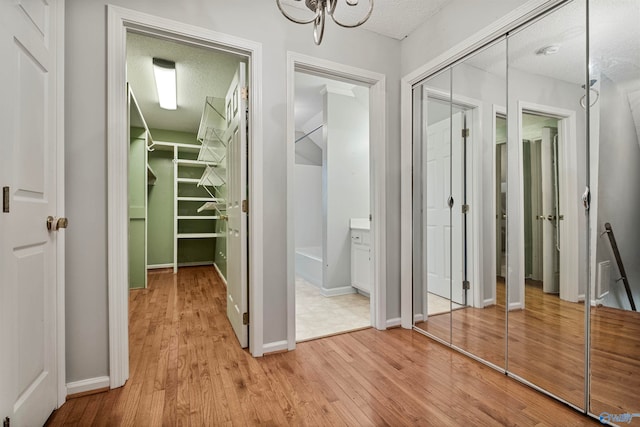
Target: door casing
(119, 21)
(377, 141)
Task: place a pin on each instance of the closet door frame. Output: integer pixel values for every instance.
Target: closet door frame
(121, 20)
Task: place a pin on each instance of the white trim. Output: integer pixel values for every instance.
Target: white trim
(393, 323)
(378, 155)
(83, 386)
(477, 40)
(119, 21)
(334, 292)
(488, 302)
(569, 194)
(60, 208)
(159, 266)
(224, 279)
(272, 347)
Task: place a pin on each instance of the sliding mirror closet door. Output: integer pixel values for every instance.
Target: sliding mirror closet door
(432, 205)
(479, 99)
(547, 174)
(614, 99)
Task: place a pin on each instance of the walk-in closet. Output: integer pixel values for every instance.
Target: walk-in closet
(177, 157)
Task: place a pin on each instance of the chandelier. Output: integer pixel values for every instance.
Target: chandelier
(321, 8)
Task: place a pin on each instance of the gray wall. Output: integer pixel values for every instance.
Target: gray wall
(86, 133)
(619, 190)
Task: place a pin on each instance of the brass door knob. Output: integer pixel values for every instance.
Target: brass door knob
(56, 224)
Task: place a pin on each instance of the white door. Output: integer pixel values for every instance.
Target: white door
(29, 47)
(236, 138)
(551, 223)
(444, 177)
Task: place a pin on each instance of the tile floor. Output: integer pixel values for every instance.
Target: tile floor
(319, 316)
(438, 305)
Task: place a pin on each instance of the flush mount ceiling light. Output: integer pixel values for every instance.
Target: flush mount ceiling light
(548, 50)
(321, 8)
(165, 74)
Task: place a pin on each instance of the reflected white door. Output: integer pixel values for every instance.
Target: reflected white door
(444, 177)
(236, 139)
(437, 164)
(28, 293)
(550, 225)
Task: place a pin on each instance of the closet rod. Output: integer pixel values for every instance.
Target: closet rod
(307, 134)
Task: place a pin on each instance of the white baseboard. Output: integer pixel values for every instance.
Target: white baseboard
(488, 302)
(87, 385)
(224, 279)
(194, 264)
(515, 306)
(334, 292)
(418, 317)
(272, 347)
(392, 323)
(159, 266)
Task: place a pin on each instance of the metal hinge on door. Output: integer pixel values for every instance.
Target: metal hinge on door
(6, 422)
(245, 206)
(466, 285)
(245, 318)
(244, 93)
(465, 133)
(5, 199)
(465, 209)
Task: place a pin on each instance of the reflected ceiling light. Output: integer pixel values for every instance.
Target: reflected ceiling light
(165, 74)
(321, 8)
(548, 50)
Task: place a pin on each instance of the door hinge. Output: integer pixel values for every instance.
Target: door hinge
(245, 318)
(244, 93)
(466, 285)
(5, 199)
(6, 422)
(245, 206)
(370, 217)
(465, 209)
(465, 133)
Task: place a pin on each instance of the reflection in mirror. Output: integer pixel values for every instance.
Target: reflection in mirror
(432, 266)
(614, 63)
(478, 298)
(546, 226)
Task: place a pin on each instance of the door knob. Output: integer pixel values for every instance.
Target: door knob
(56, 224)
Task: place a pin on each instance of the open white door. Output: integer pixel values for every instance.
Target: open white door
(30, 170)
(444, 178)
(237, 205)
(550, 213)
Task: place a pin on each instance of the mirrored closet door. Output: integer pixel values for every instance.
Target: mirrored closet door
(614, 105)
(547, 172)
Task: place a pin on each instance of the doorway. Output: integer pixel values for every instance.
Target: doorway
(542, 211)
(371, 260)
(332, 207)
(122, 21)
(547, 175)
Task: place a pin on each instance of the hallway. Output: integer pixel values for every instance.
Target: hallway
(187, 368)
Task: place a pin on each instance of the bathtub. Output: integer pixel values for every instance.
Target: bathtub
(309, 264)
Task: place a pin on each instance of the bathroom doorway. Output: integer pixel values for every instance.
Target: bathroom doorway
(333, 245)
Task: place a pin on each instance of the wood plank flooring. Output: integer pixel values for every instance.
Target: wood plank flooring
(187, 369)
(546, 346)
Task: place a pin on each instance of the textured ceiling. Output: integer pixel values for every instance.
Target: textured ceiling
(200, 72)
(391, 18)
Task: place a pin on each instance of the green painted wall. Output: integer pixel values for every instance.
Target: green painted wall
(137, 193)
(189, 250)
(160, 211)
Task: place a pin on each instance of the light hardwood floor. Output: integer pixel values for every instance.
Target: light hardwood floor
(187, 369)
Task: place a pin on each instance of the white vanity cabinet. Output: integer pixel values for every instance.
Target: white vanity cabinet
(361, 259)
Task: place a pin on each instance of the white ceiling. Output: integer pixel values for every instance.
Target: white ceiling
(391, 18)
(200, 72)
